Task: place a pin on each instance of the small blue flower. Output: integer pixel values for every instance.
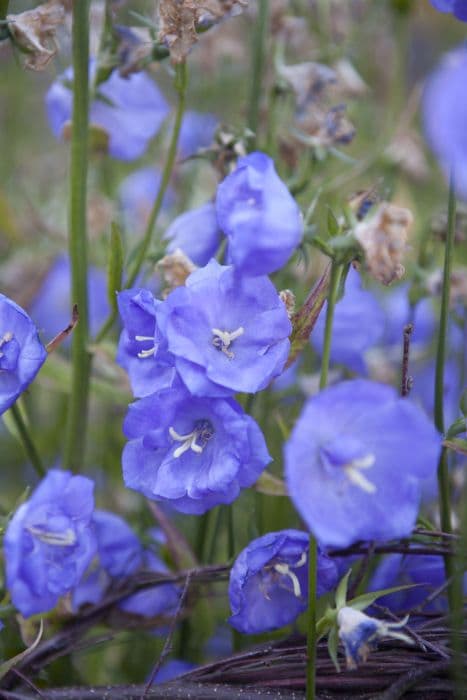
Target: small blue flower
(269, 581)
(131, 110)
(355, 461)
(21, 352)
(160, 600)
(119, 554)
(360, 633)
(351, 338)
(227, 332)
(50, 542)
(51, 307)
(142, 349)
(194, 453)
(197, 131)
(196, 232)
(137, 194)
(259, 216)
(445, 115)
(457, 7)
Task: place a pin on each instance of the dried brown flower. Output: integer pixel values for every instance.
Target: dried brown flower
(383, 238)
(33, 32)
(175, 268)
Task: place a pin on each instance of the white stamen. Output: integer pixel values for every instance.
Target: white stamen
(150, 351)
(359, 479)
(61, 539)
(285, 571)
(223, 339)
(302, 561)
(189, 441)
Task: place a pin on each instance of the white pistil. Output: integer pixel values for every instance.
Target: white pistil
(285, 571)
(60, 539)
(222, 340)
(150, 351)
(189, 441)
(353, 471)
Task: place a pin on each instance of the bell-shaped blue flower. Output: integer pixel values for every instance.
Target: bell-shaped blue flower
(196, 232)
(351, 338)
(457, 7)
(21, 352)
(355, 461)
(130, 110)
(142, 349)
(119, 554)
(227, 332)
(194, 453)
(445, 114)
(259, 216)
(50, 542)
(269, 581)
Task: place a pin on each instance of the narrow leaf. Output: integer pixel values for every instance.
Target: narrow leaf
(333, 642)
(7, 665)
(333, 224)
(115, 265)
(305, 318)
(270, 485)
(363, 601)
(341, 592)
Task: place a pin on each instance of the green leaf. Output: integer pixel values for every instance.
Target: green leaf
(7, 665)
(333, 643)
(341, 592)
(305, 318)
(456, 445)
(363, 601)
(115, 265)
(270, 485)
(333, 224)
(459, 426)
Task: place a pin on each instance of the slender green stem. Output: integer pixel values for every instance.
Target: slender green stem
(443, 472)
(312, 635)
(259, 56)
(27, 440)
(75, 438)
(181, 82)
(4, 8)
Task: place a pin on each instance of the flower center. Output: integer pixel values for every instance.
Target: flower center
(196, 440)
(222, 340)
(9, 351)
(59, 539)
(149, 352)
(348, 454)
(284, 570)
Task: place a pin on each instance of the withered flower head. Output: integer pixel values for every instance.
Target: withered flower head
(308, 80)
(383, 238)
(288, 297)
(175, 267)
(321, 127)
(33, 32)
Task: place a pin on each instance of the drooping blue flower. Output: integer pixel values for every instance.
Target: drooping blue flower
(142, 349)
(360, 633)
(119, 554)
(21, 352)
(137, 194)
(355, 461)
(227, 332)
(197, 131)
(457, 7)
(193, 453)
(159, 600)
(130, 110)
(259, 216)
(196, 232)
(50, 542)
(269, 581)
(399, 570)
(357, 327)
(445, 114)
(52, 305)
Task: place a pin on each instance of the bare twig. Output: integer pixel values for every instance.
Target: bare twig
(407, 380)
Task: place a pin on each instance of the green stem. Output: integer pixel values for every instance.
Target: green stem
(312, 635)
(27, 440)
(75, 437)
(443, 472)
(259, 44)
(181, 82)
(4, 8)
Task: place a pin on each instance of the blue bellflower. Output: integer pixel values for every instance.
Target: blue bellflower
(196, 232)
(142, 349)
(445, 115)
(130, 110)
(51, 307)
(351, 338)
(197, 131)
(227, 332)
(259, 216)
(119, 554)
(457, 7)
(355, 460)
(269, 581)
(194, 453)
(21, 352)
(50, 542)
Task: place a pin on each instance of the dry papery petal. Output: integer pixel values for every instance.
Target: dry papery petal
(175, 267)
(383, 238)
(179, 18)
(288, 297)
(34, 32)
